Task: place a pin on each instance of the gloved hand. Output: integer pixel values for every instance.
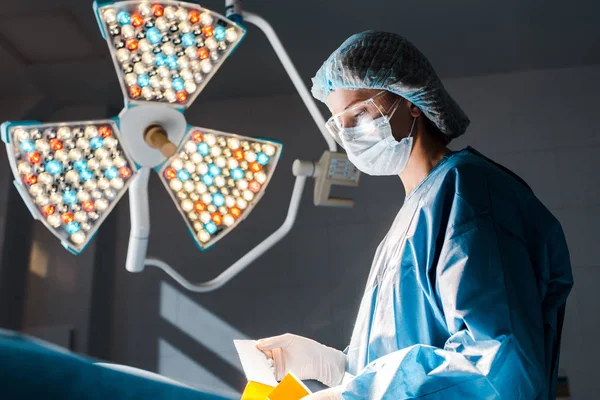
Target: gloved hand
(334, 393)
(306, 358)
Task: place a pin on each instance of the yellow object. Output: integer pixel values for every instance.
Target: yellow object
(256, 391)
(290, 388)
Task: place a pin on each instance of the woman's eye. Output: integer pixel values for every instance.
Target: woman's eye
(359, 114)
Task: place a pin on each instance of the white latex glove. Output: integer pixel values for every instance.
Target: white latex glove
(334, 393)
(306, 358)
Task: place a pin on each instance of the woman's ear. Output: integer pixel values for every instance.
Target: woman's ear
(415, 112)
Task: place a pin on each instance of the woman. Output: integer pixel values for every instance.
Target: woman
(467, 292)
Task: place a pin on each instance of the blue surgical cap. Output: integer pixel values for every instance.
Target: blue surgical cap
(387, 61)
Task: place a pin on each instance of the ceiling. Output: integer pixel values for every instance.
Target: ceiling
(54, 48)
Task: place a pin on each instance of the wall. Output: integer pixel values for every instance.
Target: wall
(541, 124)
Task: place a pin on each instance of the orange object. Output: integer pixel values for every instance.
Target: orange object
(197, 136)
(67, 217)
(158, 10)
(217, 218)
(194, 16)
(131, 44)
(48, 209)
(255, 167)
(124, 172)
(182, 96)
(208, 31)
(56, 144)
(105, 131)
(203, 53)
(256, 391)
(170, 173)
(239, 154)
(235, 211)
(30, 179)
(135, 91)
(290, 388)
(254, 186)
(199, 206)
(33, 157)
(137, 20)
(88, 205)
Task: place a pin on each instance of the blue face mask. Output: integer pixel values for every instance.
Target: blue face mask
(373, 149)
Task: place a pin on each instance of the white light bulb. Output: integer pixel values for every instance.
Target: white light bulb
(233, 143)
(91, 132)
(117, 183)
(242, 184)
(190, 147)
(93, 164)
(168, 48)
(101, 153)
(110, 16)
(206, 18)
(147, 93)
(90, 185)
(198, 226)
(183, 62)
(54, 220)
(177, 163)
(155, 81)
(202, 169)
(78, 237)
(228, 220)
(229, 201)
(45, 178)
(250, 156)
(131, 79)
(191, 52)
(42, 145)
(211, 43)
(189, 186)
(190, 167)
(82, 196)
(220, 181)
(196, 158)
(161, 24)
(248, 195)
(64, 133)
(211, 208)
(36, 189)
(170, 95)
(96, 194)
(22, 135)
(103, 183)
(205, 217)
(231, 35)
(165, 83)
(72, 176)
(24, 168)
(102, 204)
(210, 139)
(185, 26)
(82, 144)
(187, 205)
(110, 142)
(56, 198)
(127, 31)
(203, 236)
(207, 198)
(61, 155)
(195, 65)
(215, 151)
(42, 200)
(148, 58)
(206, 66)
(186, 75)
(106, 163)
(81, 216)
(241, 203)
(181, 14)
(75, 155)
(139, 69)
(260, 177)
(221, 162)
(175, 185)
(201, 188)
(190, 86)
(145, 9)
(232, 163)
(110, 194)
(192, 215)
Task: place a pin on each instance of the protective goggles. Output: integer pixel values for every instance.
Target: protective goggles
(363, 118)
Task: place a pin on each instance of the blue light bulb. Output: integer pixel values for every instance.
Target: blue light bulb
(203, 149)
(111, 173)
(262, 158)
(218, 199)
(208, 180)
(123, 18)
(237, 174)
(80, 165)
(183, 175)
(211, 228)
(73, 227)
(171, 62)
(143, 80)
(159, 59)
(153, 35)
(54, 167)
(69, 197)
(188, 39)
(86, 175)
(27, 146)
(219, 32)
(214, 170)
(96, 143)
(178, 83)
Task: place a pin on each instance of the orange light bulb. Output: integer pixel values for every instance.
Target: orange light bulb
(255, 167)
(124, 172)
(208, 31)
(158, 10)
(56, 144)
(197, 136)
(137, 20)
(67, 218)
(105, 131)
(203, 53)
(239, 154)
(135, 91)
(30, 179)
(235, 211)
(48, 209)
(199, 206)
(131, 44)
(33, 157)
(217, 218)
(88, 205)
(254, 186)
(194, 16)
(182, 96)
(170, 173)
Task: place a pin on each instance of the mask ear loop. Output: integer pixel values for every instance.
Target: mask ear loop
(412, 127)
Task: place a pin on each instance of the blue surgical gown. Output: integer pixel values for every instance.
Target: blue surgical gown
(466, 294)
